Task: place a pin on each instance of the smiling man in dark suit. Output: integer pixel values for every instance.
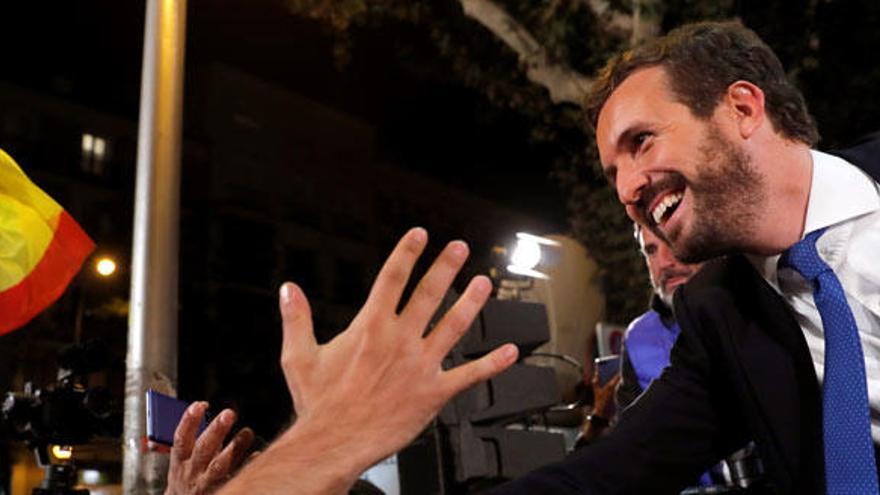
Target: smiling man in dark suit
(710, 147)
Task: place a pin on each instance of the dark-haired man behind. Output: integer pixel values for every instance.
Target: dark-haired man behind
(648, 341)
(709, 146)
(650, 337)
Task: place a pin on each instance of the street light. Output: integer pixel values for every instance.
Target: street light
(105, 266)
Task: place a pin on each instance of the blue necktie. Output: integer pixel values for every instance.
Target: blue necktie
(849, 451)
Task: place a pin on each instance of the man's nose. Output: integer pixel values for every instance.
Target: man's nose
(630, 185)
(667, 265)
(666, 258)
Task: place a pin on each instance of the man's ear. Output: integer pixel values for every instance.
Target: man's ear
(745, 102)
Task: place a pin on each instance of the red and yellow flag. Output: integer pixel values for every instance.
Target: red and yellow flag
(41, 247)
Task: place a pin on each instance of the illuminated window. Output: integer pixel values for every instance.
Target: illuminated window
(94, 154)
(88, 143)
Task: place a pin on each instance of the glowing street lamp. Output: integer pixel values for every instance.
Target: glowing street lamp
(105, 266)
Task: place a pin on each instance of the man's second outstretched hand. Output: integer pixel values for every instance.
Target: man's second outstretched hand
(368, 392)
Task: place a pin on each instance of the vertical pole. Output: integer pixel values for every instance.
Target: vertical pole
(152, 336)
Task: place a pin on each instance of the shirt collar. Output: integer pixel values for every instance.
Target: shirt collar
(833, 178)
(839, 191)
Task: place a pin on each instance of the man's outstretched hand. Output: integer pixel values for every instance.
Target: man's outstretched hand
(373, 388)
(200, 466)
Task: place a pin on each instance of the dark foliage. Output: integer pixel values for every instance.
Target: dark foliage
(828, 48)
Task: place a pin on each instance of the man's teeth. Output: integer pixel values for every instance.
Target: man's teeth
(664, 205)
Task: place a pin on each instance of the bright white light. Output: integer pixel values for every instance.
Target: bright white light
(90, 476)
(526, 255)
(88, 143)
(105, 267)
(100, 146)
(61, 452)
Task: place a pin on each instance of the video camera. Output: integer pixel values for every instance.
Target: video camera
(65, 413)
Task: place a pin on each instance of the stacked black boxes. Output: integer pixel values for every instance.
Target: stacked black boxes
(472, 445)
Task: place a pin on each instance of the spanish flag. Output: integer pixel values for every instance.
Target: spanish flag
(41, 247)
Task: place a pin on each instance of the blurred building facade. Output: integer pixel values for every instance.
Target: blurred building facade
(275, 187)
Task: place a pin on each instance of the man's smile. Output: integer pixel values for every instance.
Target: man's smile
(661, 199)
(664, 206)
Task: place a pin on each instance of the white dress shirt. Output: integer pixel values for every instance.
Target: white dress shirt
(846, 201)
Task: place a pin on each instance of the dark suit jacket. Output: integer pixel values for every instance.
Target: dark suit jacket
(740, 370)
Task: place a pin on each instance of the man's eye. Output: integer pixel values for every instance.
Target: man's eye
(611, 176)
(640, 138)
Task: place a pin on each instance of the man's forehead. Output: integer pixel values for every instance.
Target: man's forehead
(629, 103)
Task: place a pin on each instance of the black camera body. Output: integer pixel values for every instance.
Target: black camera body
(67, 412)
(64, 413)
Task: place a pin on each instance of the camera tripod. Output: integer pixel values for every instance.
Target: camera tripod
(59, 479)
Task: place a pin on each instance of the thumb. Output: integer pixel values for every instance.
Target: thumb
(296, 321)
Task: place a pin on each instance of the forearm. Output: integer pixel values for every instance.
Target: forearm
(307, 459)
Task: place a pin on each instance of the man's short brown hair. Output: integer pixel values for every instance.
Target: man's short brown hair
(701, 60)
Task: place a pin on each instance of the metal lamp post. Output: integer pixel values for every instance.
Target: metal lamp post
(151, 360)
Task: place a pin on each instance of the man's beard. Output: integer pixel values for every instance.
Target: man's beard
(666, 298)
(728, 194)
(659, 286)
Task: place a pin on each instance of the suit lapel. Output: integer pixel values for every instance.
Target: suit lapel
(776, 362)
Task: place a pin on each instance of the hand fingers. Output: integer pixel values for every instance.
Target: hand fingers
(228, 460)
(458, 319)
(243, 441)
(210, 441)
(394, 274)
(467, 375)
(296, 322)
(185, 433)
(433, 286)
(613, 381)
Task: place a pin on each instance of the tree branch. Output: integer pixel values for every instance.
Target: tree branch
(563, 83)
(614, 23)
(644, 23)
